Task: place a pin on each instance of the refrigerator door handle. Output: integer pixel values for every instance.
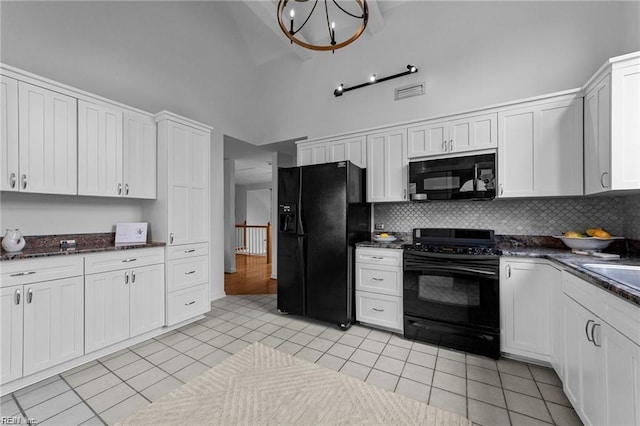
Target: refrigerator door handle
(302, 266)
(299, 215)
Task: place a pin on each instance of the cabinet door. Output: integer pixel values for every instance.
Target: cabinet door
(9, 159)
(48, 141)
(620, 370)
(597, 138)
(139, 161)
(146, 295)
(582, 376)
(352, 149)
(53, 323)
(107, 313)
(188, 184)
(471, 133)
(428, 139)
(540, 150)
(387, 166)
(99, 150)
(625, 127)
(525, 294)
(11, 303)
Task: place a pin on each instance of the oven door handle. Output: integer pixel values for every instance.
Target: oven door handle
(450, 268)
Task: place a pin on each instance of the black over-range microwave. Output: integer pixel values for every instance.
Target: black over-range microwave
(471, 177)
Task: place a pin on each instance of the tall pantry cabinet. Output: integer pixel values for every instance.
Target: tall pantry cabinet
(180, 216)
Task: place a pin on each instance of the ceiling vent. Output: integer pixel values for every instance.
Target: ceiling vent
(415, 89)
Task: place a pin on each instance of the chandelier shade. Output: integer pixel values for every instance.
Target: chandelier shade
(332, 11)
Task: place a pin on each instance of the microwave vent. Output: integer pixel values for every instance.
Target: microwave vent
(415, 89)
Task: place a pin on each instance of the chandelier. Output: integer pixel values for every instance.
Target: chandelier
(287, 11)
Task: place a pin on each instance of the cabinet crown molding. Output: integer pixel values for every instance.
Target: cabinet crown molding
(168, 115)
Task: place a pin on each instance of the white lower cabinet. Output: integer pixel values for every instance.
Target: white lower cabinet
(127, 300)
(42, 315)
(602, 354)
(379, 287)
(187, 282)
(526, 288)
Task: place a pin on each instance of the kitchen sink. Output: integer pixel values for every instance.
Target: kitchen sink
(628, 275)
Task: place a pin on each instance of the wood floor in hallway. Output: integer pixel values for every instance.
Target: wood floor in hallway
(252, 276)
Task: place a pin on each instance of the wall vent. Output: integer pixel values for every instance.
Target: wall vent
(415, 89)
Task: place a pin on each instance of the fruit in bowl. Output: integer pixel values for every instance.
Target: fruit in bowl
(595, 239)
(383, 235)
(573, 234)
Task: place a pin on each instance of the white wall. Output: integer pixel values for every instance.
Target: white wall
(242, 194)
(229, 216)
(217, 246)
(41, 214)
(470, 54)
(258, 206)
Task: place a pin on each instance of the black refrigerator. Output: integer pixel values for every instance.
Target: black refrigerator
(322, 214)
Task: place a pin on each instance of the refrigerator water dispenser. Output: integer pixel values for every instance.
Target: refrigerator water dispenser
(287, 220)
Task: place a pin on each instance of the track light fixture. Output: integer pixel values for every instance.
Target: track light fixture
(373, 79)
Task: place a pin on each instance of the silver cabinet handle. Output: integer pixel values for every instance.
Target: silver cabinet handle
(30, 295)
(451, 145)
(17, 297)
(133, 276)
(593, 334)
(171, 238)
(586, 330)
(602, 179)
(444, 145)
(190, 272)
(404, 194)
(21, 274)
(190, 303)
(501, 189)
(377, 310)
(12, 180)
(190, 251)
(126, 189)
(119, 189)
(508, 271)
(133, 259)
(377, 279)
(126, 278)
(377, 257)
(24, 181)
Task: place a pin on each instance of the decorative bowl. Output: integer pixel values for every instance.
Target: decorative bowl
(380, 239)
(587, 243)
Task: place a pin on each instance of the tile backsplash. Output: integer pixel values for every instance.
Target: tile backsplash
(620, 215)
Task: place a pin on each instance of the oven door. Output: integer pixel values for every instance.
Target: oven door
(459, 290)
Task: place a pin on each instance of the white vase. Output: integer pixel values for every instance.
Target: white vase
(13, 240)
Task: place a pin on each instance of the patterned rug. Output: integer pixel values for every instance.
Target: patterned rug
(261, 385)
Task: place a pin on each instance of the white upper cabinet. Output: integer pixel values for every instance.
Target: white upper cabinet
(387, 166)
(183, 181)
(9, 158)
(116, 151)
(47, 141)
(139, 163)
(612, 128)
(352, 148)
(540, 148)
(461, 134)
(99, 149)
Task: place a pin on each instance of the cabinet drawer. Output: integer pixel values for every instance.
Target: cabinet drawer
(26, 271)
(122, 259)
(186, 273)
(379, 309)
(379, 256)
(379, 279)
(187, 250)
(185, 304)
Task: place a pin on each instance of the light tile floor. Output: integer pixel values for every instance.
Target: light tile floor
(109, 389)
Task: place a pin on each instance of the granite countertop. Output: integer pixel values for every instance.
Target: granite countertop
(49, 245)
(397, 244)
(573, 263)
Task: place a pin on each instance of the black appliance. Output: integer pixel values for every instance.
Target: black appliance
(451, 289)
(471, 177)
(322, 214)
